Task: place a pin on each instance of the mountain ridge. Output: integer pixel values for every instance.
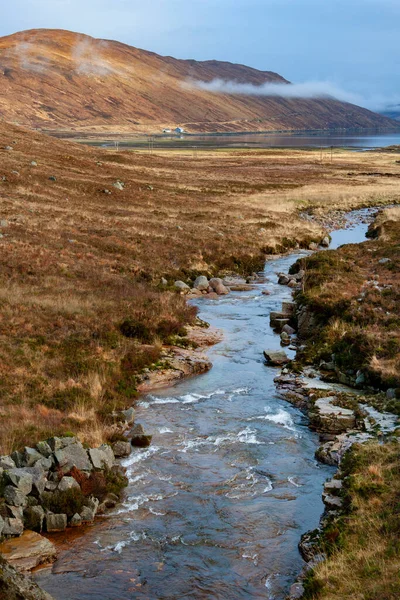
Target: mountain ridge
(57, 79)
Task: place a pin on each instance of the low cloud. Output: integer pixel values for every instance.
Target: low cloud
(310, 89)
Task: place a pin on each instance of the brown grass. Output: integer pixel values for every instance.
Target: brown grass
(75, 262)
(365, 564)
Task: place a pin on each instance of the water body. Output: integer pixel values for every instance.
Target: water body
(352, 141)
(216, 506)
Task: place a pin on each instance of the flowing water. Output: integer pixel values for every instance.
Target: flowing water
(216, 506)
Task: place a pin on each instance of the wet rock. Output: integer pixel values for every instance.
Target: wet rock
(332, 502)
(56, 522)
(76, 521)
(13, 526)
(279, 324)
(326, 416)
(121, 449)
(288, 329)
(283, 279)
(68, 483)
(73, 455)
(296, 591)
(201, 283)
(276, 357)
(16, 586)
(138, 436)
(266, 293)
(102, 457)
(285, 339)
(181, 287)
(28, 551)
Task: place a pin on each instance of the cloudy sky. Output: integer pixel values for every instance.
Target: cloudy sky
(351, 45)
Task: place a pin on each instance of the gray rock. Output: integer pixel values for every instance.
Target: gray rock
(296, 591)
(121, 449)
(1, 525)
(8, 148)
(138, 437)
(13, 527)
(87, 515)
(45, 463)
(34, 518)
(288, 329)
(360, 378)
(31, 456)
(181, 286)
(285, 338)
(129, 415)
(164, 281)
(56, 522)
(14, 496)
(288, 307)
(20, 479)
(6, 462)
(102, 457)
(276, 357)
(76, 521)
(201, 283)
(333, 486)
(391, 393)
(384, 261)
(328, 417)
(57, 443)
(327, 366)
(17, 458)
(283, 279)
(73, 455)
(332, 501)
(68, 483)
(119, 185)
(325, 241)
(34, 163)
(16, 586)
(15, 512)
(44, 449)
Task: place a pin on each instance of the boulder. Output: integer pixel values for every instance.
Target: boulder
(31, 456)
(201, 283)
(28, 551)
(279, 324)
(214, 282)
(285, 339)
(16, 586)
(17, 458)
(102, 457)
(332, 502)
(276, 357)
(56, 522)
(86, 515)
(138, 437)
(14, 496)
(293, 284)
(328, 417)
(288, 307)
(44, 449)
(221, 290)
(68, 483)
(15, 512)
(325, 241)
(6, 462)
(129, 415)
(73, 455)
(13, 526)
(283, 279)
(288, 329)
(181, 287)
(57, 443)
(194, 292)
(76, 521)
(34, 518)
(121, 449)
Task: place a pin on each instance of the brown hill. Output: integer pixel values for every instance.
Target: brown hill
(55, 79)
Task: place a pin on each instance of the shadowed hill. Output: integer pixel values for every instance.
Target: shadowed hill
(57, 79)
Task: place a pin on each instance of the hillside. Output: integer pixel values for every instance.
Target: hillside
(53, 79)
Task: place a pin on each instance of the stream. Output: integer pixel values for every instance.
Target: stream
(216, 505)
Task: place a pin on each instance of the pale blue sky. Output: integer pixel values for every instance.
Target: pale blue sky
(353, 44)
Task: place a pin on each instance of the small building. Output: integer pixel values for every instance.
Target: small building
(167, 130)
(179, 130)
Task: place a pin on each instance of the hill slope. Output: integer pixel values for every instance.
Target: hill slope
(58, 79)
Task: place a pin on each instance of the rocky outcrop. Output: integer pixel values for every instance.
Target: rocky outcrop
(16, 586)
(276, 358)
(28, 551)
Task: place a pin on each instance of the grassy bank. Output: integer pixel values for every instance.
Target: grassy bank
(81, 259)
(353, 294)
(363, 543)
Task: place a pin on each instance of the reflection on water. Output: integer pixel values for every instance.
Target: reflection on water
(216, 506)
(356, 141)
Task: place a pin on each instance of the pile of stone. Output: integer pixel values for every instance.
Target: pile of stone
(202, 286)
(292, 281)
(29, 479)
